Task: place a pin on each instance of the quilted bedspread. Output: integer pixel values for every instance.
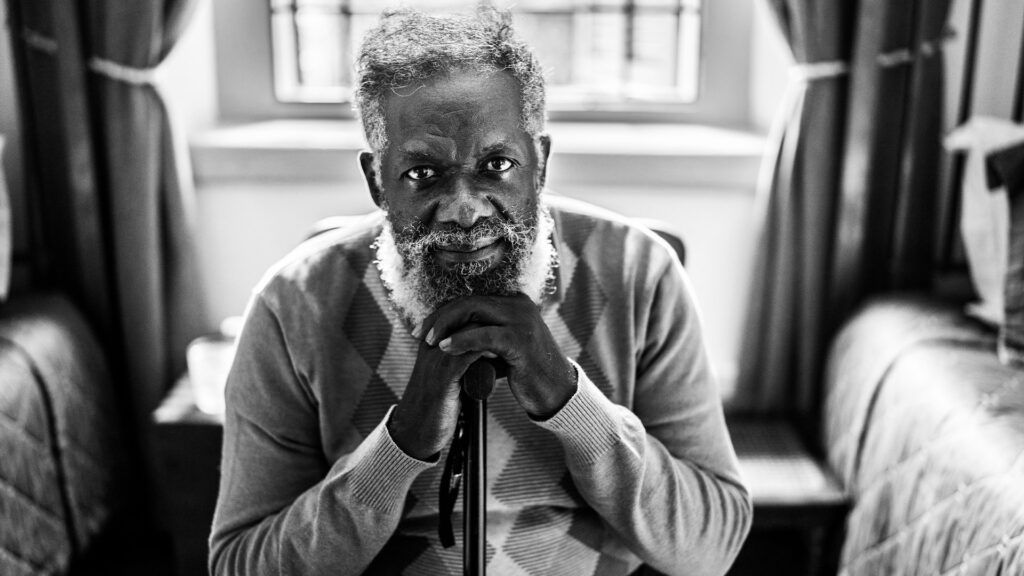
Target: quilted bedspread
(926, 430)
(59, 449)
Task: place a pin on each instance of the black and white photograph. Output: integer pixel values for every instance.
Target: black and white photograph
(511, 287)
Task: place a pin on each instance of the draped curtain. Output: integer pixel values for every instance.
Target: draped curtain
(890, 184)
(112, 181)
(849, 190)
(785, 323)
(149, 185)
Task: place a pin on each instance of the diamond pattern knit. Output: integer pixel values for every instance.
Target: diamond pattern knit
(313, 484)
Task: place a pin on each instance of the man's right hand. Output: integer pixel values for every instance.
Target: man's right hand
(424, 419)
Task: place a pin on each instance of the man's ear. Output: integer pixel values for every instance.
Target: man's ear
(370, 173)
(542, 162)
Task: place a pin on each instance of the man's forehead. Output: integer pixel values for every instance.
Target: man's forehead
(457, 115)
(483, 143)
(461, 100)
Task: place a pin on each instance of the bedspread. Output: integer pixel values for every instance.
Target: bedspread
(926, 430)
(60, 455)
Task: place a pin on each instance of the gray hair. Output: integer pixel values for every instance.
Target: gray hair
(409, 46)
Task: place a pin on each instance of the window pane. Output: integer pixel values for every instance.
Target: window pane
(593, 52)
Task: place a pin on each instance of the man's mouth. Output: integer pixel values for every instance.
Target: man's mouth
(480, 249)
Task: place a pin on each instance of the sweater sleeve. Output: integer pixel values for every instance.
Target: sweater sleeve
(664, 476)
(282, 508)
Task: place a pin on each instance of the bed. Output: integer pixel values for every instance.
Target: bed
(925, 427)
(63, 459)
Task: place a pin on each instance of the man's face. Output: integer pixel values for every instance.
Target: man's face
(460, 180)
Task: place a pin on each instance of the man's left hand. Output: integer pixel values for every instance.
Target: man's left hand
(507, 327)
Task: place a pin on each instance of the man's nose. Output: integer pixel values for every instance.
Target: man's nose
(463, 205)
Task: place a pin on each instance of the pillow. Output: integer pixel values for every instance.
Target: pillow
(1005, 168)
(984, 213)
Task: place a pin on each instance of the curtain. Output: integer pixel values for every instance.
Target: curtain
(113, 180)
(850, 192)
(797, 199)
(149, 188)
(889, 188)
(6, 236)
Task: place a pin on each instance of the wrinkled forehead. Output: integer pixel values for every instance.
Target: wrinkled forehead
(459, 105)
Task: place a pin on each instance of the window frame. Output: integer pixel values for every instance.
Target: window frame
(245, 82)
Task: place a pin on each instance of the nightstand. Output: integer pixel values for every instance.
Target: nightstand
(187, 442)
(799, 506)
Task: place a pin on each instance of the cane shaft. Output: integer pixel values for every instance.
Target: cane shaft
(475, 513)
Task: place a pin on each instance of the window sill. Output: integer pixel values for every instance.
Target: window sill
(605, 154)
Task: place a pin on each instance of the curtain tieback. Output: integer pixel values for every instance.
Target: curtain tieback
(906, 56)
(39, 42)
(811, 71)
(123, 73)
(102, 66)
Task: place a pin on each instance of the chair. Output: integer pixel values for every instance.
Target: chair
(799, 508)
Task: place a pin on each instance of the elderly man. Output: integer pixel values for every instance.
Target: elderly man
(607, 447)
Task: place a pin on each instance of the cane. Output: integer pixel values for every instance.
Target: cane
(477, 384)
(467, 457)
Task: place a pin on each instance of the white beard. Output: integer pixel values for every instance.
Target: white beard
(405, 285)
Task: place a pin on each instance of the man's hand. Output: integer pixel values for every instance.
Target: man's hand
(424, 419)
(508, 327)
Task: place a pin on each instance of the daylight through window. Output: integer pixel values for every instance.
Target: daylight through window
(594, 53)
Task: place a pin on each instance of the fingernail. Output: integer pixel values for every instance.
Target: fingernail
(445, 344)
(416, 330)
(430, 337)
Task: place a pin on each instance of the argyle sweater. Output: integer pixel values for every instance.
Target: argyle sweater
(636, 468)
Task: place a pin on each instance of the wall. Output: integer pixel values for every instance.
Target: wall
(188, 77)
(998, 50)
(770, 59)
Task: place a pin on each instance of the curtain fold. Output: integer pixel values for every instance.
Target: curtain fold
(114, 178)
(149, 188)
(849, 194)
(68, 213)
(786, 317)
(889, 189)
(916, 236)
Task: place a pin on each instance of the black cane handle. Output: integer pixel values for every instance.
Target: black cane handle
(478, 380)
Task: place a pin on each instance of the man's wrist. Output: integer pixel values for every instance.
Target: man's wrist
(380, 472)
(411, 447)
(564, 389)
(587, 423)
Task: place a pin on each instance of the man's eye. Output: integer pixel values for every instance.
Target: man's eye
(420, 173)
(498, 165)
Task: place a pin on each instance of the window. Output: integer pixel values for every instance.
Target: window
(594, 52)
(661, 60)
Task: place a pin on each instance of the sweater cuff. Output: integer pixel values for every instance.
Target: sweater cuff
(380, 472)
(586, 425)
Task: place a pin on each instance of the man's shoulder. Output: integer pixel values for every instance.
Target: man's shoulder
(596, 233)
(334, 256)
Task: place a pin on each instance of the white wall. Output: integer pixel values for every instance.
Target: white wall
(769, 62)
(188, 77)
